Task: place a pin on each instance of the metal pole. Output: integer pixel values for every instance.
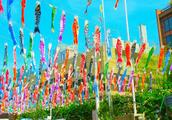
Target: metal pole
(128, 38)
(126, 18)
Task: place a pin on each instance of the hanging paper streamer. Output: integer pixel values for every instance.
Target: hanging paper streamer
(170, 69)
(130, 79)
(21, 41)
(86, 34)
(167, 58)
(90, 67)
(23, 5)
(119, 51)
(161, 57)
(88, 4)
(122, 79)
(97, 39)
(67, 57)
(5, 58)
(62, 25)
(75, 29)
(98, 69)
(133, 49)
(30, 46)
(10, 28)
(83, 60)
(1, 7)
(149, 57)
(108, 49)
(106, 70)
(33, 61)
(9, 2)
(53, 14)
(56, 56)
(128, 54)
(7, 77)
(37, 17)
(116, 4)
(49, 55)
(14, 55)
(42, 50)
(141, 51)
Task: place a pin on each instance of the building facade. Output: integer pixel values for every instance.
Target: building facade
(164, 21)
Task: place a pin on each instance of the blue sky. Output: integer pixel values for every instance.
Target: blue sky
(139, 12)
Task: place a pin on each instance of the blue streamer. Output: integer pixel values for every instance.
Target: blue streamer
(12, 33)
(167, 58)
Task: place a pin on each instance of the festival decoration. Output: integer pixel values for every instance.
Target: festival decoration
(88, 4)
(119, 51)
(42, 50)
(116, 4)
(10, 28)
(128, 54)
(97, 39)
(53, 14)
(141, 51)
(23, 5)
(37, 17)
(75, 29)
(86, 35)
(161, 57)
(62, 25)
(149, 57)
(21, 37)
(30, 46)
(167, 58)
(1, 7)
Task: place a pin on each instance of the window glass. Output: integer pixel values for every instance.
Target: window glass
(169, 41)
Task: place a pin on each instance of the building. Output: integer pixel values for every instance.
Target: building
(164, 21)
(143, 33)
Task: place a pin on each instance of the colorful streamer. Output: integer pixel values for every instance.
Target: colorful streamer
(167, 58)
(83, 62)
(75, 29)
(10, 28)
(5, 58)
(161, 57)
(1, 7)
(37, 17)
(30, 46)
(21, 36)
(97, 39)
(88, 4)
(133, 49)
(128, 54)
(122, 79)
(119, 51)
(56, 56)
(116, 4)
(53, 14)
(62, 25)
(42, 50)
(108, 49)
(141, 51)
(9, 3)
(14, 55)
(149, 57)
(86, 34)
(23, 5)
(130, 79)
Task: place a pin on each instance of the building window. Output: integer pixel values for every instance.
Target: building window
(168, 24)
(169, 41)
